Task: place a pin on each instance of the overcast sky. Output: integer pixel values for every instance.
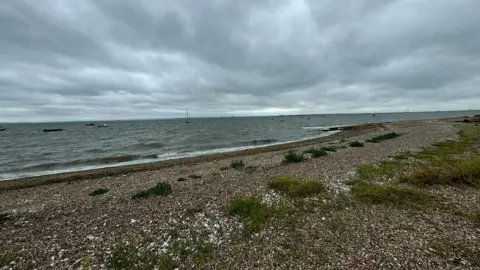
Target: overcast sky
(113, 59)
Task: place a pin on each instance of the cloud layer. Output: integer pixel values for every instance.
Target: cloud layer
(112, 59)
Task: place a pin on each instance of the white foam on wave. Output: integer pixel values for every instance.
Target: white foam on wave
(166, 156)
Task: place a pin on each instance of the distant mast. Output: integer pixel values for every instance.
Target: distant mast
(186, 121)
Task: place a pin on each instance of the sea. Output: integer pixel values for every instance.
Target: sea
(26, 150)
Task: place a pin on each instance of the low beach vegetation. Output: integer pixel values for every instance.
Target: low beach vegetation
(391, 196)
(368, 172)
(251, 211)
(464, 171)
(316, 152)
(237, 164)
(98, 191)
(295, 188)
(131, 256)
(384, 137)
(293, 157)
(254, 214)
(194, 176)
(160, 189)
(356, 144)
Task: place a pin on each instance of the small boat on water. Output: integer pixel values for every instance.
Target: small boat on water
(52, 130)
(2, 128)
(90, 124)
(104, 125)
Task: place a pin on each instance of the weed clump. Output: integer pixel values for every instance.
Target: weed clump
(329, 149)
(181, 179)
(194, 176)
(251, 211)
(129, 256)
(237, 164)
(384, 137)
(295, 188)
(356, 144)
(99, 191)
(368, 172)
(317, 152)
(293, 157)
(161, 189)
(453, 172)
(391, 196)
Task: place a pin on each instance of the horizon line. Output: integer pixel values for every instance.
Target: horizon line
(227, 116)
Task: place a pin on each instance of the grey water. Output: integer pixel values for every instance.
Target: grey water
(25, 150)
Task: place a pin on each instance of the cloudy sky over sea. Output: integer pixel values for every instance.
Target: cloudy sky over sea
(111, 59)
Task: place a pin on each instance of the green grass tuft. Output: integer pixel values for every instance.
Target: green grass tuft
(251, 211)
(237, 164)
(99, 191)
(384, 137)
(293, 157)
(317, 152)
(356, 144)
(453, 172)
(391, 196)
(161, 189)
(368, 172)
(295, 188)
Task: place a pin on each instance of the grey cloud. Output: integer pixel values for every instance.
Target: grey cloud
(108, 59)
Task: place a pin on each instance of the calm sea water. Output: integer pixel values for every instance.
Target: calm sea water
(28, 151)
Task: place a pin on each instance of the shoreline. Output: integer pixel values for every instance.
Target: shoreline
(348, 131)
(32, 181)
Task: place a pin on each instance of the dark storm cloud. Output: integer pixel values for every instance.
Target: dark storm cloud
(109, 59)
